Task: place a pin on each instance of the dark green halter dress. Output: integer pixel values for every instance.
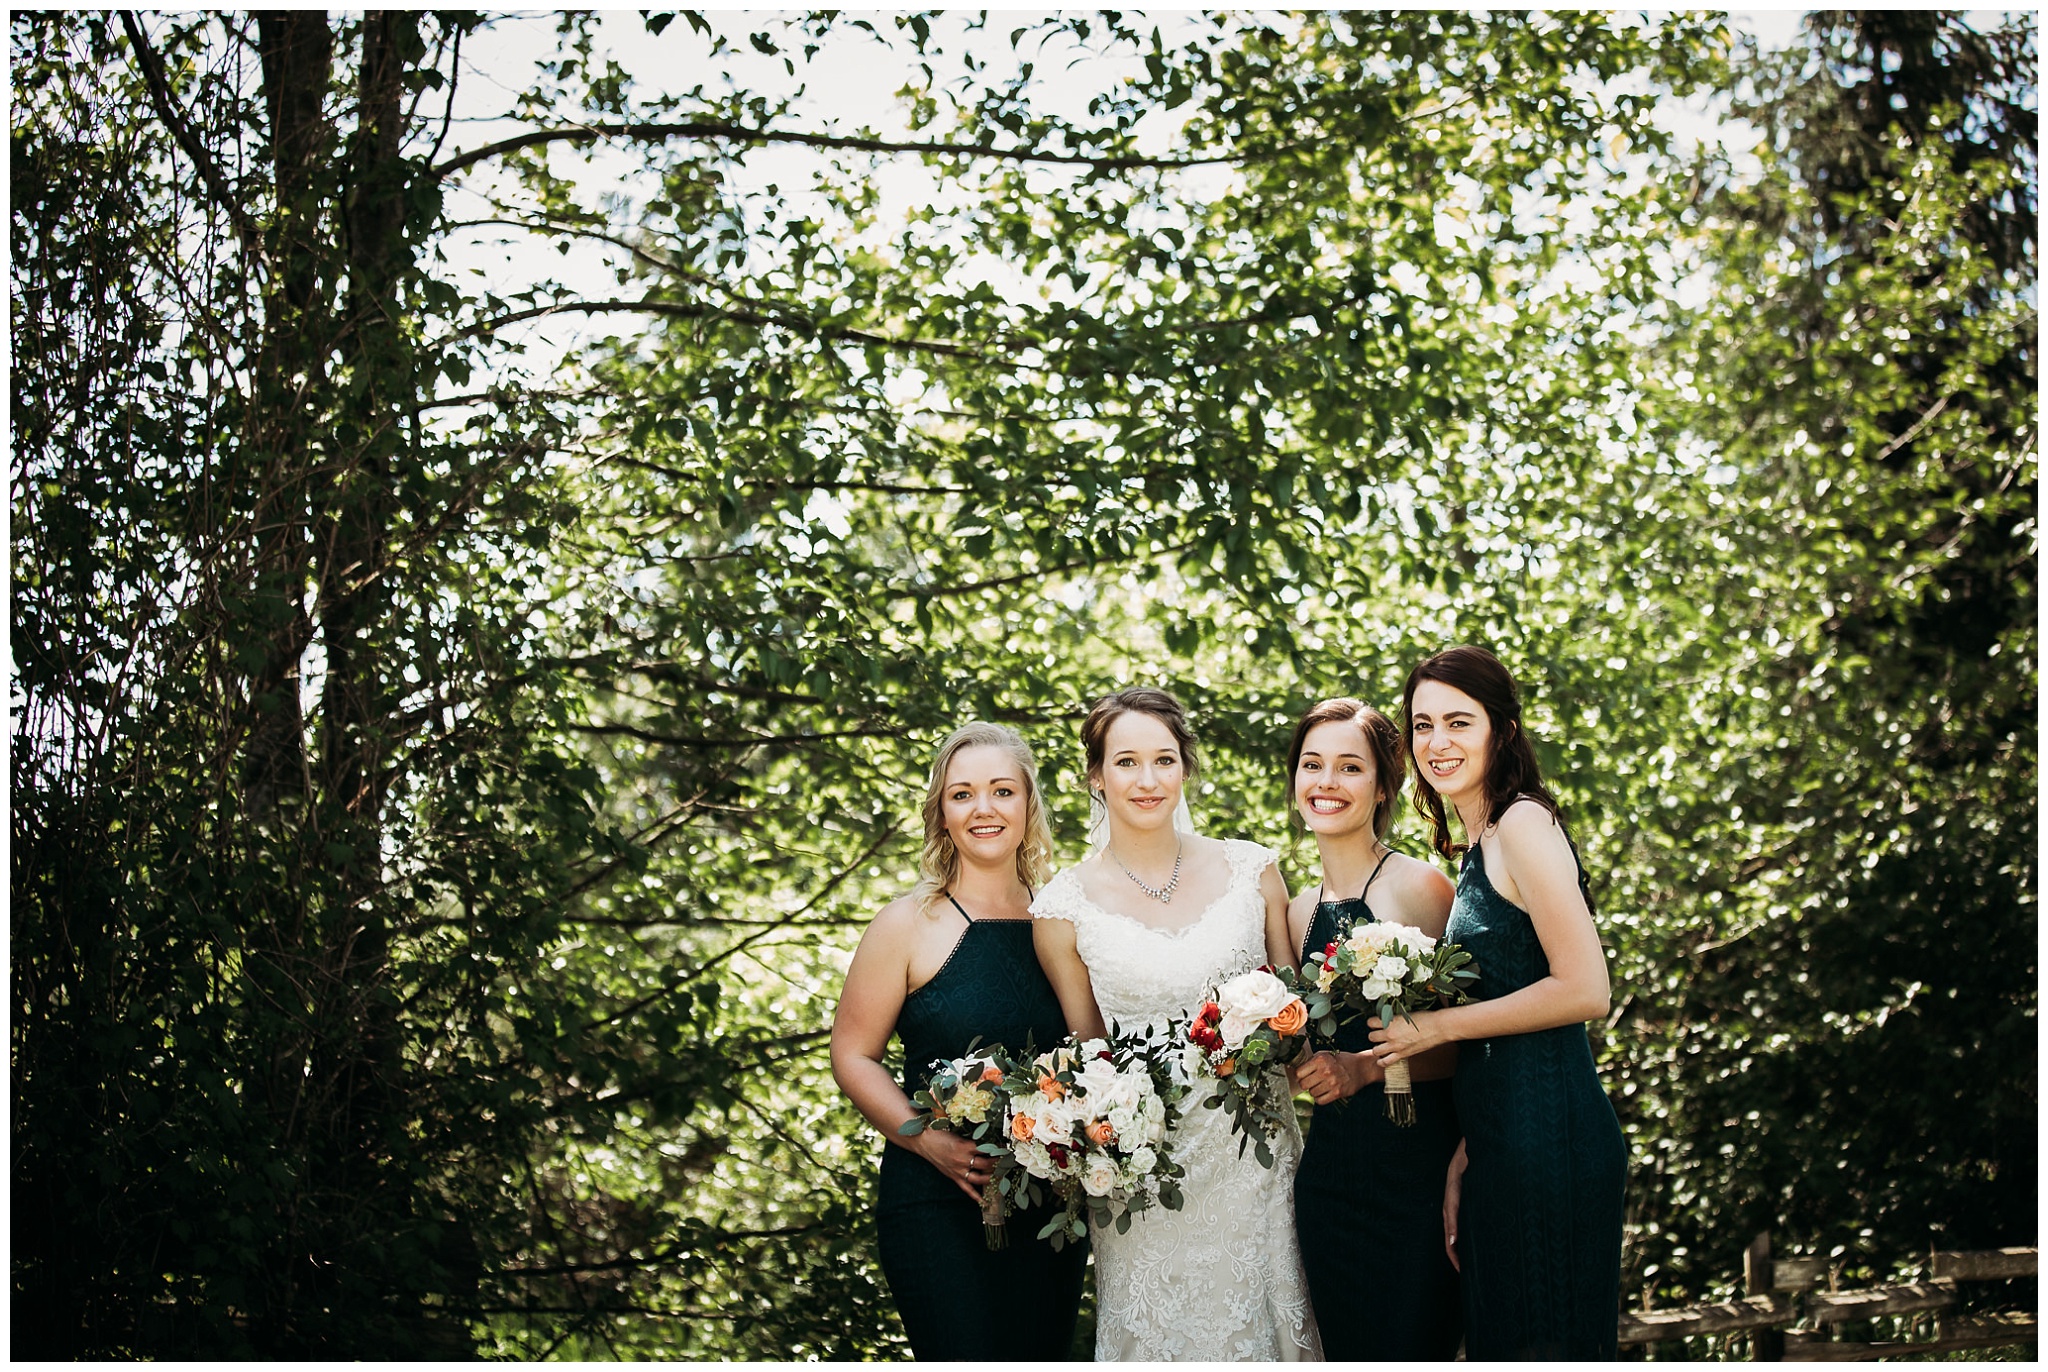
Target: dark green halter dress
(957, 1299)
(1369, 1204)
(1539, 1225)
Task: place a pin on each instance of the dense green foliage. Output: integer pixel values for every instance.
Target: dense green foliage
(448, 784)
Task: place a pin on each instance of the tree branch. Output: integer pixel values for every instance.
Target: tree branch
(167, 110)
(656, 1259)
(971, 587)
(736, 133)
(777, 484)
(686, 310)
(684, 741)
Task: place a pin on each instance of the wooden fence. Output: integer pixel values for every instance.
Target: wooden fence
(1786, 1315)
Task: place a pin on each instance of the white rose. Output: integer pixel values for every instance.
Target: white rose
(1032, 1156)
(1097, 1080)
(1191, 1063)
(1390, 968)
(1367, 940)
(1143, 1160)
(1236, 1028)
(1255, 995)
(1375, 989)
(1099, 1179)
(1056, 1125)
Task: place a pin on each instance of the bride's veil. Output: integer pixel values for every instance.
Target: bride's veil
(1098, 821)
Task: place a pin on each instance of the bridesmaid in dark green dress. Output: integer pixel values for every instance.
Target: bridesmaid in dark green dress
(950, 963)
(1368, 1197)
(1534, 1205)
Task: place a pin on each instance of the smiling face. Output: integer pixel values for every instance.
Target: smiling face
(1336, 787)
(1452, 740)
(983, 805)
(1142, 771)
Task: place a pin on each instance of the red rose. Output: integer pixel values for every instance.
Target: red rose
(1330, 950)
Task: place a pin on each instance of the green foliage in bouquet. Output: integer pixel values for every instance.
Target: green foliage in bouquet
(1263, 1027)
(1385, 970)
(1089, 1127)
(970, 1095)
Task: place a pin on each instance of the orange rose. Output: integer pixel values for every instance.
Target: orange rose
(1292, 1019)
(1021, 1127)
(1226, 1067)
(1049, 1087)
(1099, 1131)
(992, 1074)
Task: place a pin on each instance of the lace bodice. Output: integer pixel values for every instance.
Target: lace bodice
(1220, 1278)
(1144, 975)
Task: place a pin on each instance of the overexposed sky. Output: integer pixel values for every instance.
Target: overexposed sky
(851, 84)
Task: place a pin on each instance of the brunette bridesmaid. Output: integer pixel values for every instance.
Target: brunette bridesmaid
(1533, 1204)
(947, 964)
(1367, 1200)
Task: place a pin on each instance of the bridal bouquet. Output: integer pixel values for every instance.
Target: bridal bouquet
(1252, 1023)
(1385, 969)
(971, 1096)
(1089, 1122)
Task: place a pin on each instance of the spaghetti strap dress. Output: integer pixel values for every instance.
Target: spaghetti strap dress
(951, 1291)
(1368, 1203)
(1539, 1224)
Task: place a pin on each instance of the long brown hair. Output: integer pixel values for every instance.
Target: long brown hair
(1380, 735)
(1511, 771)
(939, 865)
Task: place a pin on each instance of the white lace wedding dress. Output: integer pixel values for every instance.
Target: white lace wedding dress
(1220, 1278)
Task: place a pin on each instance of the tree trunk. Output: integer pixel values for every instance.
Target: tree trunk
(297, 50)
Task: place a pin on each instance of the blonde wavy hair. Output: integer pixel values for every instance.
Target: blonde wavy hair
(939, 865)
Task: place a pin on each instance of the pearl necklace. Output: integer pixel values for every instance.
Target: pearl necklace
(1162, 894)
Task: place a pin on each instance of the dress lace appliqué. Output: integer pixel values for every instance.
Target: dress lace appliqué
(1221, 1277)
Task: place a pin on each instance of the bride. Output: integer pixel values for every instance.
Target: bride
(1141, 931)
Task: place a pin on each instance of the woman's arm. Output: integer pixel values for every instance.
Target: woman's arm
(1060, 956)
(876, 983)
(1454, 1195)
(1279, 949)
(1533, 849)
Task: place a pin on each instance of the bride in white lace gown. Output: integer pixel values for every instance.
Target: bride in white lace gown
(1140, 932)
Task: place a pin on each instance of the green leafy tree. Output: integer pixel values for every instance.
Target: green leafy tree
(448, 785)
(1846, 899)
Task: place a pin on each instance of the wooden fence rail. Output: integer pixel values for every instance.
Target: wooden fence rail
(1788, 1318)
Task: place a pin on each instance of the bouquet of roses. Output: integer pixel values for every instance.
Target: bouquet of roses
(1385, 969)
(1089, 1121)
(971, 1095)
(1254, 1022)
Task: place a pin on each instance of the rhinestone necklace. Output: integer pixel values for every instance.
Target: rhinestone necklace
(1162, 894)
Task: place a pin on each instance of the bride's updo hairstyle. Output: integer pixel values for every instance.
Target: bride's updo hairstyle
(1144, 700)
(1380, 735)
(939, 866)
(1511, 771)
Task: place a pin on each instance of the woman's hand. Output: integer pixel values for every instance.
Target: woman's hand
(959, 1158)
(1454, 1192)
(1331, 1077)
(1405, 1038)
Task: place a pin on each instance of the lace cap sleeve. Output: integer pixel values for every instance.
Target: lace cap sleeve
(1247, 858)
(1058, 899)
